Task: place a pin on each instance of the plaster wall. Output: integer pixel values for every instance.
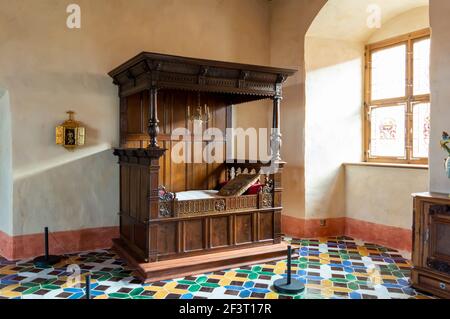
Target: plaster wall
(50, 69)
(6, 179)
(412, 20)
(347, 19)
(290, 20)
(382, 195)
(334, 82)
(334, 106)
(440, 93)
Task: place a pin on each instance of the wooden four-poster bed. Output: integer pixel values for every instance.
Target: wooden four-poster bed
(166, 229)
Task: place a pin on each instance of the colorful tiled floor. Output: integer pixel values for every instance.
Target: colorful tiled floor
(330, 268)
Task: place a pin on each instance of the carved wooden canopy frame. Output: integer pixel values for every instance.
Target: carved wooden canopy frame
(147, 211)
(240, 82)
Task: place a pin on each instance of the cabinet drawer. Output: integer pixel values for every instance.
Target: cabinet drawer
(441, 287)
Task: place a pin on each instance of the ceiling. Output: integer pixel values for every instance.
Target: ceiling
(347, 19)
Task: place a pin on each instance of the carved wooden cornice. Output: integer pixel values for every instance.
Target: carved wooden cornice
(141, 156)
(244, 82)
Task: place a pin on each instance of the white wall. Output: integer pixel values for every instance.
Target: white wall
(334, 78)
(412, 20)
(289, 21)
(334, 100)
(347, 19)
(6, 176)
(78, 195)
(382, 195)
(440, 92)
(49, 69)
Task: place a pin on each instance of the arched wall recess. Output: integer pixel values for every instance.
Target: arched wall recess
(334, 62)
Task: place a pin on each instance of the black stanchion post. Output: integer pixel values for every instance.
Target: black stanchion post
(46, 243)
(288, 285)
(88, 286)
(46, 260)
(289, 262)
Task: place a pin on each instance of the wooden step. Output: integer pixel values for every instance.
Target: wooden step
(186, 266)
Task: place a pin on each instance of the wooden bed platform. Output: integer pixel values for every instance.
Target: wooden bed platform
(200, 264)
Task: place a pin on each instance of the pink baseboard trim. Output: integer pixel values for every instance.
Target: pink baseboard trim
(65, 242)
(28, 246)
(333, 227)
(307, 228)
(292, 226)
(389, 236)
(5, 246)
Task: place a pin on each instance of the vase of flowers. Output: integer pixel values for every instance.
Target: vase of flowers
(447, 166)
(445, 142)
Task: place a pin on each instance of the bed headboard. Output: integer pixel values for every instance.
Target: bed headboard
(172, 114)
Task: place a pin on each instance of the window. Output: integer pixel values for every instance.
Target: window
(397, 100)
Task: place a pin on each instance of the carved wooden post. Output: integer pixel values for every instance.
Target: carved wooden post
(139, 200)
(276, 131)
(153, 122)
(277, 202)
(153, 199)
(277, 163)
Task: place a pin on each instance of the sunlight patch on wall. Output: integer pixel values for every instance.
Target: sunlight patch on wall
(333, 126)
(69, 157)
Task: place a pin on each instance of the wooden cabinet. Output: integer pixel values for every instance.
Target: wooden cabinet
(431, 250)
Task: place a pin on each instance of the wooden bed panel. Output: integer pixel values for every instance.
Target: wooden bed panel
(124, 187)
(193, 235)
(172, 114)
(266, 226)
(177, 109)
(219, 232)
(190, 236)
(134, 191)
(140, 236)
(164, 114)
(163, 173)
(126, 228)
(177, 181)
(216, 172)
(135, 109)
(167, 238)
(199, 171)
(219, 114)
(277, 226)
(243, 228)
(143, 194)
(134, 206)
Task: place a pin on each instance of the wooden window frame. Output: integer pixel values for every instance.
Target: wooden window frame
(409, 99)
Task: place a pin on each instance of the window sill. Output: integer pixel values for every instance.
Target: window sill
(389, 165)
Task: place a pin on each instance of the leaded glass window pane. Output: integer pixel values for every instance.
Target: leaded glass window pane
(388, 131)
(421, 67)
(421, 130)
